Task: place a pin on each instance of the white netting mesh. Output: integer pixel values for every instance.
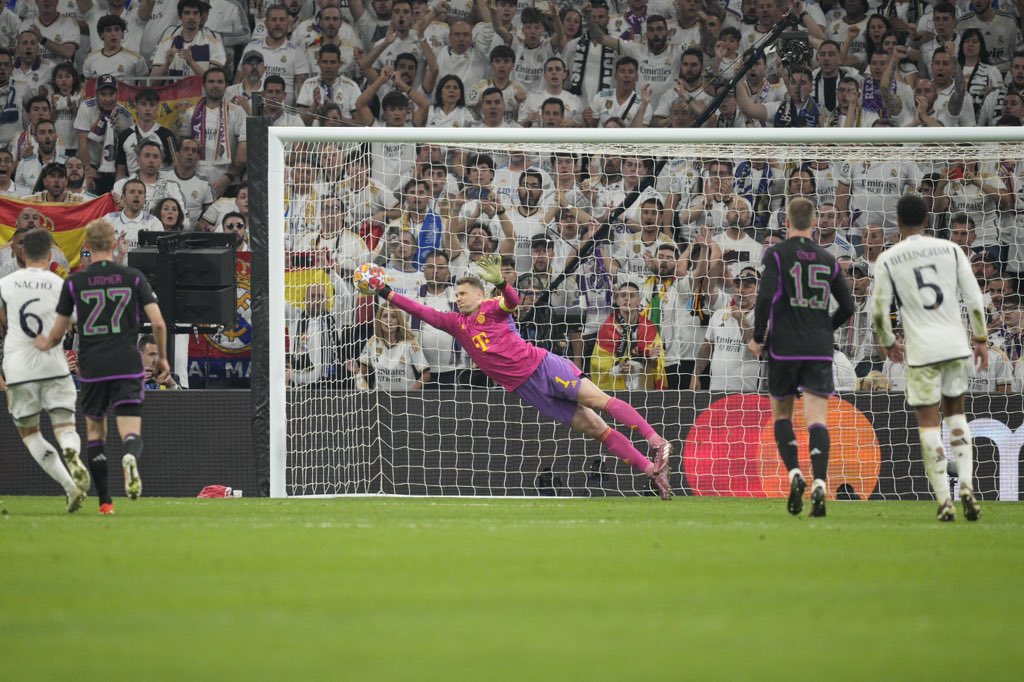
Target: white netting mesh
(616, 250)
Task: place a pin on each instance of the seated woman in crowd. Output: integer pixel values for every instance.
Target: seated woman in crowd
(392, 360)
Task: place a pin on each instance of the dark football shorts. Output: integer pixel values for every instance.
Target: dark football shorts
(787, 378)
(124, 396)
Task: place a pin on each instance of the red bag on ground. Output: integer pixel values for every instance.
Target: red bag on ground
(214, 491)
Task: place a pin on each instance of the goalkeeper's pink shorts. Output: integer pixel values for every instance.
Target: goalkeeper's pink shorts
(552, 388)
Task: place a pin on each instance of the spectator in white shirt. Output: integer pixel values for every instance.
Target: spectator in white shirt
(132, 219)
(282, 57)
(94, 11)
(195, 188)
(11, 98)
(190, 49)
(98, 123)
(555, 74)
(248, 81)
(30, 167)
(147, 106)
(273, 99)
(328, 87)
(219, 126)
(31, 72)
(732, 366)
(7, 186)
(57, 34)
(393, 356)
(114, 58)
(158, 185)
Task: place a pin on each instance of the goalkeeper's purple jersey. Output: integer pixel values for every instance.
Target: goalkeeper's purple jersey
(489, 336)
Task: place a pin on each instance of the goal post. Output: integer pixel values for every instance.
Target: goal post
(360, 430)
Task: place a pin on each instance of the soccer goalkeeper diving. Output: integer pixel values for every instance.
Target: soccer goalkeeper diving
(552, 384)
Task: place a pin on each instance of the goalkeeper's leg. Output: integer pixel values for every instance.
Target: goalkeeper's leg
(558, 391)
(585, 420)
(593, 397)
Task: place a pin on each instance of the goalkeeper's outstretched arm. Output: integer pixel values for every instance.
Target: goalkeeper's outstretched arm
(490, 271)
(434, 318)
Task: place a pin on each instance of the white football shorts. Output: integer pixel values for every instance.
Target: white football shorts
(925, 385)
(32, 397)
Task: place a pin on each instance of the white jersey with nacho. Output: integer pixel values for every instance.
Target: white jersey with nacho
(29, 296)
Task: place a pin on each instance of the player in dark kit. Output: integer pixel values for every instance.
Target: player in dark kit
(108, 300)
(792, 322)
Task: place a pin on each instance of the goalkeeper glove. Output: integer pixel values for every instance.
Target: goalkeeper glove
(490, 270)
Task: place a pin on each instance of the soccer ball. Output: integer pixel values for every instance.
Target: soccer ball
(369, 277)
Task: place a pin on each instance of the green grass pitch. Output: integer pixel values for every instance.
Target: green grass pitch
(480, 589)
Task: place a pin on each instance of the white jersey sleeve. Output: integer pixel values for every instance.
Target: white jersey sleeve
(927, 277)
(30, 296)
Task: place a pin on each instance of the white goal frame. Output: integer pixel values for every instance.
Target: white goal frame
(279, 136)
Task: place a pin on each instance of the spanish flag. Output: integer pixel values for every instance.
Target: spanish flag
(66, 222)
(175, 98)
(302, 271)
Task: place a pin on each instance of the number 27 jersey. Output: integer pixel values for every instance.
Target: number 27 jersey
(29, 297)
(108, 300)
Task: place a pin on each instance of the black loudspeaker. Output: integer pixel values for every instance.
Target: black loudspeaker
(208, 268)
(157, 267)
(194, 282)
(212, 307)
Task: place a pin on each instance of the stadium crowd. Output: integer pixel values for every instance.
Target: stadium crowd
(642, 270)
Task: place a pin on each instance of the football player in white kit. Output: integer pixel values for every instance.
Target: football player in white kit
(928, 276)
(40, 381)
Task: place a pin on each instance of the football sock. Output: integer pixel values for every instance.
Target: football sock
(961, 443)
(98, 469)
(133, 445)
(68, 438)
(46, 456)
(934, 456)
(785, 439)
(620, 446)
(623, 412)
(818, 443)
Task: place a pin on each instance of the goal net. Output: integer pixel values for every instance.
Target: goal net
(637, 255)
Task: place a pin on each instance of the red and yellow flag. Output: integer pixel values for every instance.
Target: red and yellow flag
(66, 222)
(175, 98)
(302, 271)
